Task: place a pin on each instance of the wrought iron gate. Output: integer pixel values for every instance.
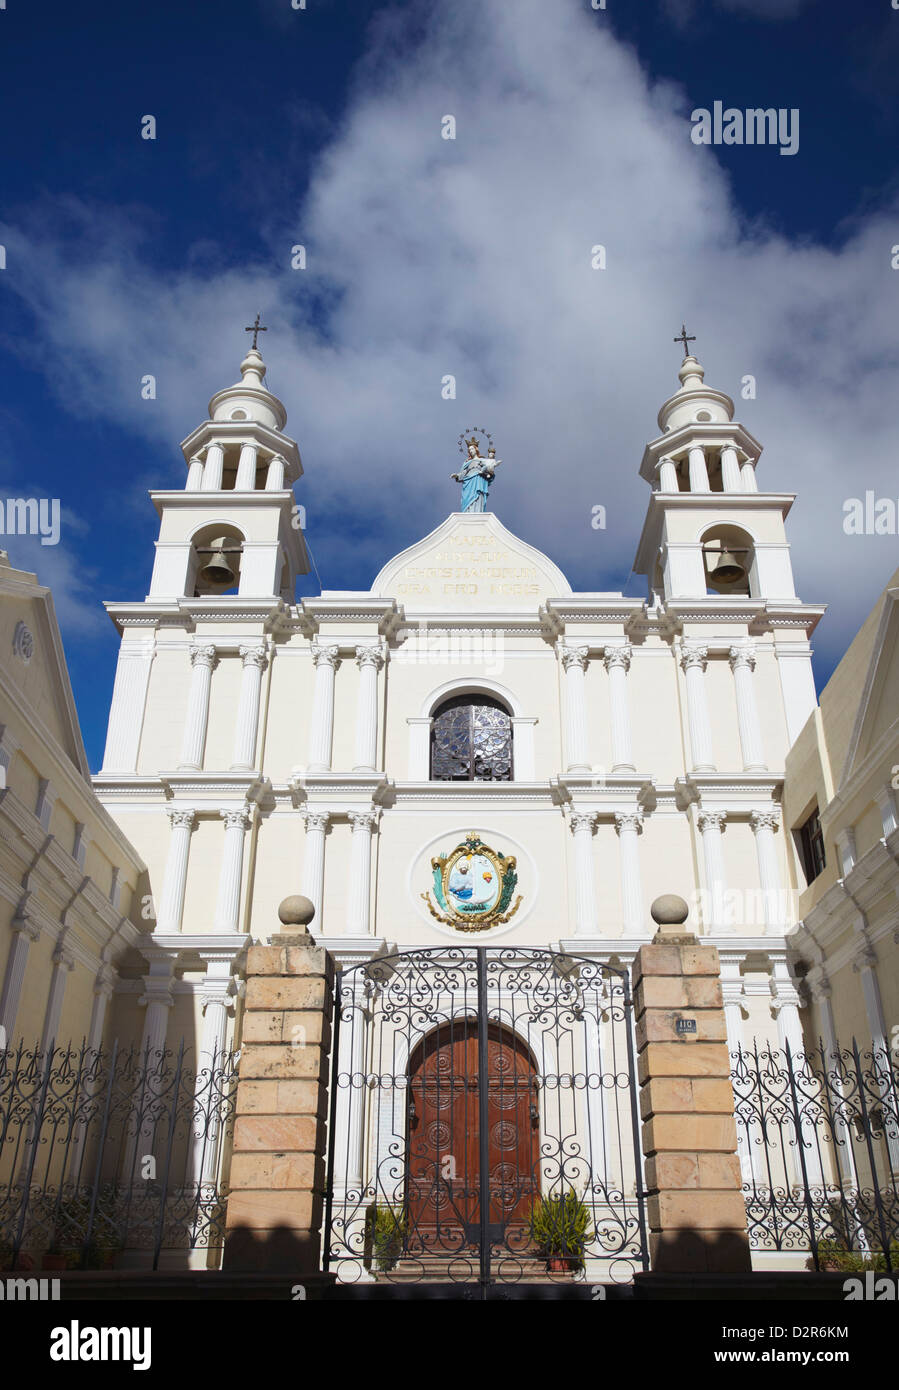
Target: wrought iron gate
(483, 1121)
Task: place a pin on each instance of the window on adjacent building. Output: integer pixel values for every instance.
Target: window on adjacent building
(812, 843)
(471, 741)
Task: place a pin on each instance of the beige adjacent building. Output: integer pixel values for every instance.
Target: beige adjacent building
(70, 880)
(840, 804)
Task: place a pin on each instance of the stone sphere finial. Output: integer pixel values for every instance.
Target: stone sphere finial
(296, 911)
(669, 910)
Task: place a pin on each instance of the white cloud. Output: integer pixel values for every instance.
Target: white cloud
(472, 257)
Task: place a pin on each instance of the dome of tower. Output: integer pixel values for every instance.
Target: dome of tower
(249, 399)
(695, 402)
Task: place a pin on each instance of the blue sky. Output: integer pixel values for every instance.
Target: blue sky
(425, 257)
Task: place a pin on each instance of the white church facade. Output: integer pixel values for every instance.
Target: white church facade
(467, 754)
(616, 748)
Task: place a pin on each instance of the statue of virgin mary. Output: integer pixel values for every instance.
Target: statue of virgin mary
(476, 476)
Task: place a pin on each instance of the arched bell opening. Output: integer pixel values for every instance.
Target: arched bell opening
(728, 557)
(215, 560)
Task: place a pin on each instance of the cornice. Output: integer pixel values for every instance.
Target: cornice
(333, 607)
(180, 500)
(187, 612)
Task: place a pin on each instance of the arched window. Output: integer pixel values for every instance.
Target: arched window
(471, 740)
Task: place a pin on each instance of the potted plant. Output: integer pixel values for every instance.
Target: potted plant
(559, 1229)
(835, 1257)
(69, 1222)
(385, 1233)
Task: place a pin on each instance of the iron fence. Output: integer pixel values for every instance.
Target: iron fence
(112, 1153)
(818, 1143)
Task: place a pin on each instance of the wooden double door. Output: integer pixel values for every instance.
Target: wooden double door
(446, 1146)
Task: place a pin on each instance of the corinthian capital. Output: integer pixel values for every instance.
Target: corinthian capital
(203, 655)
(323, 655)
(316, 820)
(254, 655)
(742, 655)
(573, 656)
(237, 820)
(693, 654)
(181, 819)
(582, 820)
(711, 820)
(764, 820)
(369, 656)
(629, 820)
(618, 656)
(364, 822)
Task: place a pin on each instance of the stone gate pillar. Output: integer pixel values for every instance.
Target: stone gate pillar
(275, 1206)
(695, 1209)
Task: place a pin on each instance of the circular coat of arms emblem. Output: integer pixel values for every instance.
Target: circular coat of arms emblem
(473, 886)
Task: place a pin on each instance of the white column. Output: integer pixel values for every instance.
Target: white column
(24, 932)
(747, 476)
(358, 916)
(202, 659)
(666, 470)
(227, 911)
(351, 1087)
(785, 1006)
(822, 993)
(865, 966)
(213, 468)
(764, 824)
(254, 660)
(321, 729)
(693, 659)
(574, 663)
(129, 699)
(711, 826)
(617, 662)
(216, 998)
(274, 478)
(194, 475)
(63, 963)
(104, 987)
(699, 473)
(246, 469)
(629, 825)
(369, 660)
(171, 903)
(734, 1012)
(316, 823)
(730, 469)
(742, 663)
(158, 1000)
(886, 805)
(585, 915)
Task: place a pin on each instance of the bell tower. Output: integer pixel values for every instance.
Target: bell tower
(233, 527)
(714, 547)
(709, 530)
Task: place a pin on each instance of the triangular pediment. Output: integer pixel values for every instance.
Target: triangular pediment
(878, 712)
(471, 561)
(40, 684)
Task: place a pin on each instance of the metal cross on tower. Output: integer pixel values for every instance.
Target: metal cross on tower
(685, 338)
(255, 329)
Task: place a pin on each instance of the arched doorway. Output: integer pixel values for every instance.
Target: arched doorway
(445, 1118)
